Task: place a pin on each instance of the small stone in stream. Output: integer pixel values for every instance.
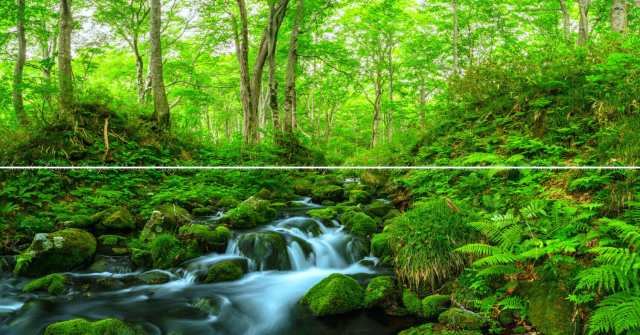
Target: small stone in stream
(228, 270)
(154, 277)
(210, 306)
(84, 327)
(53, 283)
(61, 251)
(112, 264)
(336, 294)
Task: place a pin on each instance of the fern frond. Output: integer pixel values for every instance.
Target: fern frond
(618, 313)
(498, 270)
(512, 303)
(478, 249)
(498, 259)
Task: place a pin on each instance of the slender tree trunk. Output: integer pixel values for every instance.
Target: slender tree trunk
(241, 36)
(389, 125)
(18, 100)
(566, 20)
(456, 37)
(273, 81)
(377, 107)
(65, 77)
(422, 106)
(619, 16)
(290, 90)
(584, 21)
(140, 82)
(160, 103)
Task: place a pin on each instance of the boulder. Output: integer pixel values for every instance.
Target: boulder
(380, 292)
(114, 219)
(359, 197)
(323, 214)
(433, 305)
(154, 277)
(379, 208)
(381, 247)
(141, 258)
(228, 270)
(174, 215)
(267, 249)
(61, 251)
(457, 318)
(549, 310)
(112, 264)
(436, 329)
(411, 302)
(249, 214)
(360, 224)
(112, 245)
(333, 295)
(165, 251)
(53, 283)
(302, 187)
(206, 239)
(84, 327)
(332, 193)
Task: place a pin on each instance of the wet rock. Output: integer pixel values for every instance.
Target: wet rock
(359, 197)
(308, 226)
(205, 238)
(381, 247)
(549, 311)
(174, 216)
(249, 214)
(332, 193)
(303, 187)
(458, 318)
(114, 219)
(60, 251)
(112, 264)
(165, 251)
(154, 277)
(379, 208)
(209, 306)
(360, 224)
(333, 295)
(380, 292)
(141, 258)
(228, 270)
(53, 283)
(323, 214)
(7, 263)
(411, 302)
(267, 249)
(203, 211)
(112, 245)
(433, 305)
(84, 327)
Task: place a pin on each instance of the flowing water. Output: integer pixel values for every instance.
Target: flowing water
(264, 301)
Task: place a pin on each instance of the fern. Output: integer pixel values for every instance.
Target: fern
(617, 314)
(512, 303)
(478, 249)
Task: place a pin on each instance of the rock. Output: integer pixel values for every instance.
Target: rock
(549, 311)
(323, 214)
(112, 264)
(141, 258)
(375, 181)
(359, 197)
(411, 302)
(431, 329)
(380, 292)
(153, 227)
(114, 219)
(228, 270)
(361, 224)
(381, 247)
(249, 214)
(267, 249)
(165, 251)
(53, 283)
(154, 277)
(265, 194)
(458, 318)
(308, 226)
(209, 306)
(7, 263)
(333, 295)
(227, 202)
(393, 213)
(333, 193)
(206, 239)
(302, 187)
(379, 208)
(112, 245)
(84, 327)
(60, 251)
(433, 305)
(202, 211)
(174, 216)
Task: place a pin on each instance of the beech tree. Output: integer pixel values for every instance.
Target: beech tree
(65, 75)
(160, 103)
(18, 99)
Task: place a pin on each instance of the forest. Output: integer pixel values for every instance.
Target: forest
(412, 167)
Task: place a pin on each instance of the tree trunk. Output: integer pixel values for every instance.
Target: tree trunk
(377, 107)
(140, 83)
(160, 103)
(273, 81)
(566, 20)
(584, 21)
(390, 111)
(242, 52)
(18, 100)
(456, 37)
(619, 16)
(65, 77)
(290, 90)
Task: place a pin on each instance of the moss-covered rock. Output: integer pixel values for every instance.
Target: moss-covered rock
(380, 292)
(174, 215)
(141, 258)
(379, 208)
(411, 302)
(374, 180)
(303, 187)
(335, 294)
(84, 327)
(381, 247)
(154, 277)
(267, 249)
(434, 329)
(333, 193)
(114, 219)
(249, 214)
(53, 283)
(60, 251)
(457, 318)
(165, 251)
(549, 310)
(228, 270)
(323, 214)
(206, 239)
(227, 202)
(360, 224)
(112, 245)
(433, 305)
(359, 197)
(202, 211)
(153, 227)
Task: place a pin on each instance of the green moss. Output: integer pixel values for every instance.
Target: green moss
(435, 304)
(202, 211)
(53, 283)
(141, 258)
(165, 251)
(224, 271)
(60, 251)
(458, 318)
(228, 202)
(335, 294)
(115, 218)
(359, 197)
(333, 193)
(268, 248)
(379, 292)
(112, 240)
(323, 214)
(174, 215)
(379, 208)
(431, 329)
(206, 239)
(84, 327)
(302, 187)
(411, 302)
(381, 248)
(249, 214)
(361, 224)
(549, 310)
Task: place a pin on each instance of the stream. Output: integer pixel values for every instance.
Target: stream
(264, 301)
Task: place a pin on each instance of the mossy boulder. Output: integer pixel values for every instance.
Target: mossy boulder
(112, 245)
(411, 302)
(433, 305)
(359, 197)
(202, 211)
(205, 238)
(323, 214)
(381, 247)
(249, 214)
(165, 251)
(380, 292)
(549, 310)
(61, 251)
(379, 208)
(333, 193)
(360, 224)
(53, 283)
(154, 227)
(174, 216)
(228, 270)
(375, 181)
(227, 202)
(141, 258)
(458, 318)
(333, 295)
(84, 327)
(435, 329)
(114, 219)
(267, 249)
(154, 277)
(303, 187)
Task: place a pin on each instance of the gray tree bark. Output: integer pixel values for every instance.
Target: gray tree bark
(18, 99)
(566, 20)
(160, 103)
(292, 64)
(583, 36)
(619, 16)
(65, 77)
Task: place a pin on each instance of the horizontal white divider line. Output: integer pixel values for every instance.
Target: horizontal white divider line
(319, 167)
